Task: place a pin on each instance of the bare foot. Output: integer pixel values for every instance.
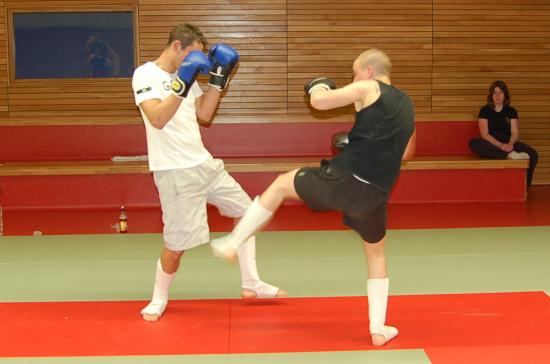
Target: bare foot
(378, 340)
(223, 248)
(249, 293)
(150, 318)
(154, 310)
(389, 333)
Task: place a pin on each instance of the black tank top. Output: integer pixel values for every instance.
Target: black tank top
(378, 138)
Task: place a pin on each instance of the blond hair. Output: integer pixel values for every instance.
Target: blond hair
(377, 60)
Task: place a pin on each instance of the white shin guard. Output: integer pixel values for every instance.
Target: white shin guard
(247, 263)
(250, 278)
(255, 216)
(378, 290)
(158, 303)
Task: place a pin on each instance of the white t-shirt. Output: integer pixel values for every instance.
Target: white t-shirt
(179, 143)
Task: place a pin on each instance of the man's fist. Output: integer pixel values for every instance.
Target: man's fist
(196, 62)
(223, 58)
(320, 83)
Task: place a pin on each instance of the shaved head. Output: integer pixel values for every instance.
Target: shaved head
(377, 60)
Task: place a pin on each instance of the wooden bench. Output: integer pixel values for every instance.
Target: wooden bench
(244, 164)
(65, 170)
(37, 160)
(62, 184)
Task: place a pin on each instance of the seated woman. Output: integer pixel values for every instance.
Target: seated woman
(498, 126)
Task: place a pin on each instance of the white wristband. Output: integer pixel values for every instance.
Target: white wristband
(317, 87)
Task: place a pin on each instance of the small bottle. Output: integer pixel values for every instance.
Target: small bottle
(123, 221)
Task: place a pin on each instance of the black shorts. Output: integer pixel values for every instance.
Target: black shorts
(364, 206)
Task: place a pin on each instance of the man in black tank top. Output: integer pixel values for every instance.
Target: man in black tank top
(356, 182)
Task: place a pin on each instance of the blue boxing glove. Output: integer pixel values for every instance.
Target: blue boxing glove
(223, 59)
(196, 62)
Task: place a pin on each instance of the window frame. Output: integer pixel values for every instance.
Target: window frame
(11, 11)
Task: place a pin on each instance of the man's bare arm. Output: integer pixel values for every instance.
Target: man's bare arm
(411, 147)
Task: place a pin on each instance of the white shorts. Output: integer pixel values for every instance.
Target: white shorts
(184, 194)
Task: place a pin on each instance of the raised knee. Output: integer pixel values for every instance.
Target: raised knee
(279, 181)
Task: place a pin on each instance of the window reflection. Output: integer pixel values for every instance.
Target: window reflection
(74, 45)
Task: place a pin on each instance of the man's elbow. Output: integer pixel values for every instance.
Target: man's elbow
(205, 123)
(408, 157)
(409, 154)
(205, 118)
(158, 123)
(410, 149)
(317, 101)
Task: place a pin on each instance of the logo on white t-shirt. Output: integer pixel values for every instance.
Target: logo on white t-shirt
(145, 89)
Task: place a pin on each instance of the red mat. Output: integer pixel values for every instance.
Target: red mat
(440, 324)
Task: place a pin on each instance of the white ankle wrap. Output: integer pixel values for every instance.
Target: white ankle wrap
(246, 255)
(163, 281)
(377, 290)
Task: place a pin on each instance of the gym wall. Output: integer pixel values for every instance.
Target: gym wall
(445, 54)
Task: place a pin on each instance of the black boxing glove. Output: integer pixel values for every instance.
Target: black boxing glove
(320, 83)
(340, 140)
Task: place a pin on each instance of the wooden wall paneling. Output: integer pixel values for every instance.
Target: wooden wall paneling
(477, 42)
(3, 62)
(445, 54)
(324, 39)
(257, 29)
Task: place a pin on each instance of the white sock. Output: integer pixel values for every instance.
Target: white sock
(254, 217)
(378, 290)
(515, 155)
(163, 281)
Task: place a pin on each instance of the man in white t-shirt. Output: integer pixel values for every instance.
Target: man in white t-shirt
(173, 105)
